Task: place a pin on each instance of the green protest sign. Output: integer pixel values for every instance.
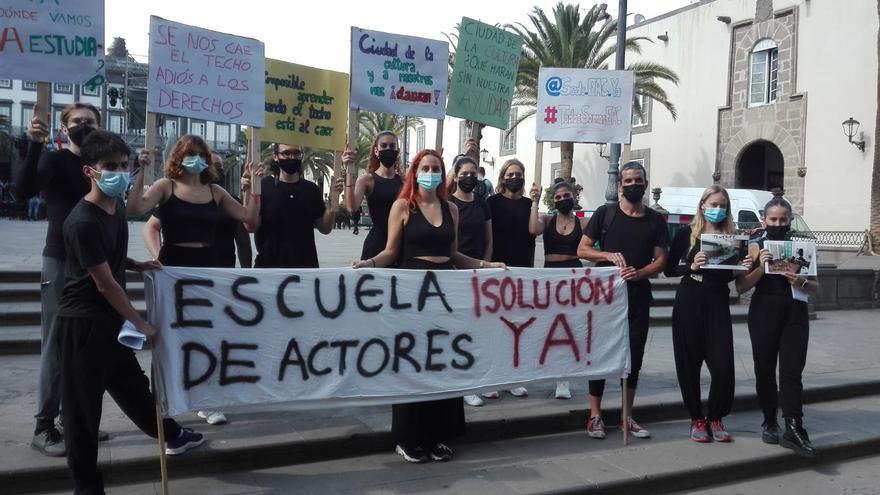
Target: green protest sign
(484, 73)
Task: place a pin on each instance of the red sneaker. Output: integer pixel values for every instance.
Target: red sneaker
(699, 431)
(718, 431)
(596, 427)
(634, 429)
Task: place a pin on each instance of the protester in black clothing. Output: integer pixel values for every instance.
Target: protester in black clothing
(779, 327)
(425, 224)
(292, 208)
(380, 185)
(701, 327)
(91, 312)
(58, 176)
(562, 233)
(474, 222)
(484, 187)
(356, 219)
(634, 239)
(230, 235)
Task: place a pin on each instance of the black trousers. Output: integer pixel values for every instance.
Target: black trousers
(93, 362)
(425, 424)
(779, 327)
(702, 332)
(639, 316)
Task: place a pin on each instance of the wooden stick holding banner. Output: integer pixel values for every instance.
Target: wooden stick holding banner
(624, 412)
(476, 134)
(255, 156)
(354, 117)
(150, 146)
(41, 107)
(438, 140)
(539, 161)
(163, 465)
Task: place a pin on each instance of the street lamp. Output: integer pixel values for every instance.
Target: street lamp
(484, 154)
(850, 129)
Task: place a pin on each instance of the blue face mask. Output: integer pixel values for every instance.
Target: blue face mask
(715, 215)
(194, 164)
(114, 184)
(429, 180)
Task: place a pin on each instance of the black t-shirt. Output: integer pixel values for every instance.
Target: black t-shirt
(286, 237)
(472, 218)
(224, 238)
(512, 243)
(634, 237)
(91, 237)
(58, 174)
(681, 250)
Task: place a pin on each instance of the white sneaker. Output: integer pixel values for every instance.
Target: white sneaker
(213, 417)
(473, 400)
(519, 392)
(563, 391)
(491, 395)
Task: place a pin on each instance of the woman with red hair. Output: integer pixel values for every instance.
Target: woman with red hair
(425, 224)
(380, 185)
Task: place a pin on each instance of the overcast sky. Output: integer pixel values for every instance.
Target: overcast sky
(317, 33)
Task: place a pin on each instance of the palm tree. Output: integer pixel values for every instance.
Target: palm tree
(372, 123)
(572, 42)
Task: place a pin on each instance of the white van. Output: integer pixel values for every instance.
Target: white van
(747, 206)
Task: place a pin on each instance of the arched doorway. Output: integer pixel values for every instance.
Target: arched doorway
(760, 166)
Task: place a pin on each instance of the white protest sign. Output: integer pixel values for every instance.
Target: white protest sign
(397, 74)
(203, 74)
(584, 105)
(326, 337)
(53, 41)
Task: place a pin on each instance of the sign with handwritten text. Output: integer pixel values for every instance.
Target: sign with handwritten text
(397, 74)
(484, 74)
(57, 41)
(305, 106)
(333, 336)
(584, 105)
(203, 74)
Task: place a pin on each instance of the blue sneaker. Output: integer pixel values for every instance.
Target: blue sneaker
(187, 440)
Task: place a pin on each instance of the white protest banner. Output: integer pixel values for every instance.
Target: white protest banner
(326, 337)
(584, 105)
(397, 74)
(53, 41)
(203, 74)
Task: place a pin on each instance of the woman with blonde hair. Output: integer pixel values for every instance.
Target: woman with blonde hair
(701, 326)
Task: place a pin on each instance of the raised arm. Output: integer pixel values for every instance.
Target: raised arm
(153, 236)
(325, 223)
(354, 195)
(140, 201)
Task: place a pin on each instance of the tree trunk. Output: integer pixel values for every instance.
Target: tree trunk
(566, 162)
(875, 172)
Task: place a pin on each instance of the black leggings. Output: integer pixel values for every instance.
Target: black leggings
(780, 330)
(702, 332)
(639, 316)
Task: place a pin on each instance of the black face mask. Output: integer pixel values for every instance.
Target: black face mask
(634, 192)
(388, 157)
(565, 206)
(467, 184)
(291, 165)
(777, 231)
(515, 184)
(77, 134)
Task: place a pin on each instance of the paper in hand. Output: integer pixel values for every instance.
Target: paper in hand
(130, 337)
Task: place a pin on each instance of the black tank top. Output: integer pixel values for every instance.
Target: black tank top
(420, 238)
(775, 285)
(556, 243)
(185, 222)
(385, 192)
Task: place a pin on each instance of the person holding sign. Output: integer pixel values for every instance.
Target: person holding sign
(562, 233)
(474, 221)
(92, 310)
(779, 326)
(702, 330)
(425, 225)
(513, 244)
(58, 176)
(291, 209)
(633, 238)
(380, 185)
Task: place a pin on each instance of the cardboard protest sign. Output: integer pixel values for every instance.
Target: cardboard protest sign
(584, 105)
(327, 337)
(484, 74)
(53, 41)
(204, 74)
(305, 106)
(397, 74)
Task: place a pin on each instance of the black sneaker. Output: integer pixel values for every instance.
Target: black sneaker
(797, 439)
(187, 440)
(49, 442)
(770, 432)
(415, 456)
(441, 452)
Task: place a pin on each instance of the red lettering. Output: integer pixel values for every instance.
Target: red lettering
(496, 303)
(517, 331)
(519, 295)
(538, 304)
(560, 285)
(609, 295)
(589, 332)
(505, 284)
(579, 292)
(15, 37)
(475, 287)
(560, 321)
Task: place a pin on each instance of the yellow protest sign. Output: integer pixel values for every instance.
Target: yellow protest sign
(305, 106)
